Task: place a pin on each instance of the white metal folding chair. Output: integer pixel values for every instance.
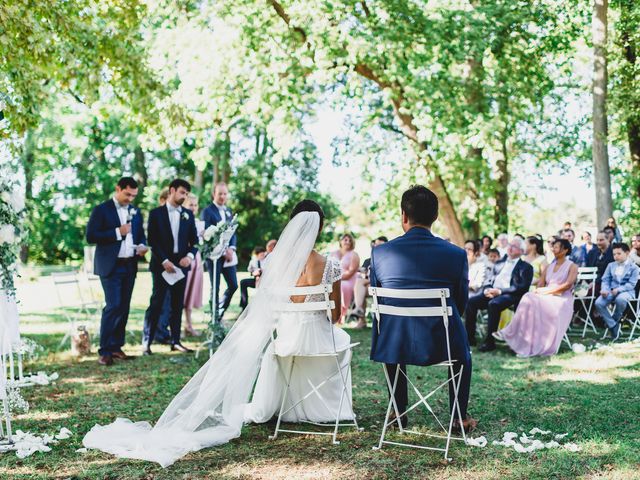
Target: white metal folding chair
(633, 305)
(584, 293)
(444, 312)
(67, 284)
(325, 305)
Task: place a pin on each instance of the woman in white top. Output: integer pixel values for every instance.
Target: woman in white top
(477, 268)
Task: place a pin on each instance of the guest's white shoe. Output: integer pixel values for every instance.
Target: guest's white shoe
(521, 355)
(498, 336)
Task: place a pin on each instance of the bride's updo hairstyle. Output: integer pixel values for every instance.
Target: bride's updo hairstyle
(308, 206)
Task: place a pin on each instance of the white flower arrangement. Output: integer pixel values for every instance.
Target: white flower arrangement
(215, 235)
(12, 210)
(185, 216)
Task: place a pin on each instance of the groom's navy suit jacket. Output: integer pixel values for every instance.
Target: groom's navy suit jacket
(161, 238)
(101, 231)
(419, 260)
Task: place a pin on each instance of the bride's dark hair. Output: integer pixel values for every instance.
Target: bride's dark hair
(308, 206)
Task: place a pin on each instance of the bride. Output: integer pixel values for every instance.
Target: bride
(212, 407)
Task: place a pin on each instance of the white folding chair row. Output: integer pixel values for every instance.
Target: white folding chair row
(326, 305)
(67, 284)
(584, 293)
(442, 311)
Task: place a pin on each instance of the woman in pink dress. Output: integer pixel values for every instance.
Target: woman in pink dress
(543, 316)
(193, 289)
(350, 262)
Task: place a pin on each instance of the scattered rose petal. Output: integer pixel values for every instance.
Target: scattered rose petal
(477, 442)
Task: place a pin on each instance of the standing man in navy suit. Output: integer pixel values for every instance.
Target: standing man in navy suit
(116, 228)
(419, 260)
(173, 240)
(216, 212)
(511, 278)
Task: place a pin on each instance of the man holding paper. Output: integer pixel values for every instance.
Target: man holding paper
(116, 228)
(173, 240)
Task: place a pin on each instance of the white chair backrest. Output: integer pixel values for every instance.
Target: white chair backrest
(442, 310)
(587, 274)
(324, 305)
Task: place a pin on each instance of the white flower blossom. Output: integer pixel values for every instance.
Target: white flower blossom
(7, 234)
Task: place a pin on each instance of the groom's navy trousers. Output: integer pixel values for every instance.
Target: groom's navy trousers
(419, 260)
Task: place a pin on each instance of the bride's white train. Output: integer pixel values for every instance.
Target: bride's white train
(215, 403)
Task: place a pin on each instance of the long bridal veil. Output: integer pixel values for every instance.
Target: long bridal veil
(209, 410)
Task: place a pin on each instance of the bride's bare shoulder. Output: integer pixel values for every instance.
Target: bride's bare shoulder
(315, 264)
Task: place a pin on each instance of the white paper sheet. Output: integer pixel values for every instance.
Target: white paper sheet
(172, 278)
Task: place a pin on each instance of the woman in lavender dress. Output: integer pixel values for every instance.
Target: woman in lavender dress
(350, 262)
(543, 316)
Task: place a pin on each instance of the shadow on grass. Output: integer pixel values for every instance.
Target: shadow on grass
(508, 394)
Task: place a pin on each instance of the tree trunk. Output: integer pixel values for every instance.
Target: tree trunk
(140, 167)
(28, 159)
(630, 54)
(501, 213)
(602, 177)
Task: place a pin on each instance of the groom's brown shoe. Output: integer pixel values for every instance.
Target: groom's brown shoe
(122, 356)
(469, 424)
(106, 360)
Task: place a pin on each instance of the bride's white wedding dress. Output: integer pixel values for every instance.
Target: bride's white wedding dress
(305, 333)
(213, 406)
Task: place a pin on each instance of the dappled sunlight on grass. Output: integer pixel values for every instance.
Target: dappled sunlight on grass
(284, 470)
(42, 416)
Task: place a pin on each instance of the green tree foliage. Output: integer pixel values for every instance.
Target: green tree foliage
(76, 46)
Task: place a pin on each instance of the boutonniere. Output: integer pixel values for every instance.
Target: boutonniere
(185, 216)
(131, 213)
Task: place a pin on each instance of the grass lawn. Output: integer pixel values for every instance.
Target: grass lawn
(594, 396)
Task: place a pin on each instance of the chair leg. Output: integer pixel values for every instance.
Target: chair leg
(392, 391)
(284, 398)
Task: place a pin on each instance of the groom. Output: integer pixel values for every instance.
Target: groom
(116, 228)
(419, 260)
(173, 240)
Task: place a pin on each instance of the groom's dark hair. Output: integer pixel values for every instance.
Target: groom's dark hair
(178, 182)
(127, 182)
(420, 205)
(308, 206)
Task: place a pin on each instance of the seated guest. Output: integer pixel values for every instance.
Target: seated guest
(487, 241)
(600, 257)
(576, 252)
(635, 249)
(543, 316)
(534, 255)
(587, 244)
(255, 270)
(477, 268)
(511, 279)
(503, 244)
(361, 287)
(618, 286)
(617, 231)
(610, 233)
